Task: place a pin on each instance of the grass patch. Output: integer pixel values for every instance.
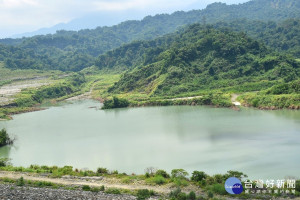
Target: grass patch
(113, 191)
(217, 189)
(9, 75)
(262, 101)
(156, 180)
(144, 194)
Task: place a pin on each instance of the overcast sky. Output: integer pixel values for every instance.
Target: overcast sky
(18, 16)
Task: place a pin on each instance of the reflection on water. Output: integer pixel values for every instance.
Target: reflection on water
(263, 144)
(5, 151)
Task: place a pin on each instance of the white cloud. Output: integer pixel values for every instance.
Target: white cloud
(140, 4)
(17, 3)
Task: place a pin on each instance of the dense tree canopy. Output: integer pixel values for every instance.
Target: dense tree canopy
(202, 58)
(75, 50)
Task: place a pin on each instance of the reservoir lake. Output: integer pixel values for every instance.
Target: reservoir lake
(261, 144)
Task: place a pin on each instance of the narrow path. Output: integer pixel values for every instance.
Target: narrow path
(91, 181)
(185, 98)
(86, 95)
(233, 99)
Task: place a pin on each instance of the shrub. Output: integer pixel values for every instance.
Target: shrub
(174, 193)
(237, 174)
(218, 189)
(198, 176)
(219, 178)
(86, 188)
(4, 162)
(158, 180)
(25, 102)
(43, 184)
(209, 180)
(298, 185)
(95, 189)
(143, 194)
(162, 173)
(191, 196)
(20, 182)
(115, 103)
(178, 195)
(147, 175)
(179, 173)
(112, 191)
(7, 180)
(129, 179)
(210, 194)
(180, 182)
(101, 170)
(102, 188)
(181, 196)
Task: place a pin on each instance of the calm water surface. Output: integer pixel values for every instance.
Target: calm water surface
(262, 144)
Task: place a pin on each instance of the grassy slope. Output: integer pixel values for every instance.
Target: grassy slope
(8, 74)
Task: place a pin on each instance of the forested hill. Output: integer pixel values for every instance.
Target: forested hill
(264, 10)
(283, 37)
(204, 58)
(73, 51)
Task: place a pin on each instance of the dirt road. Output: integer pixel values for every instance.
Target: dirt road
(91, 181)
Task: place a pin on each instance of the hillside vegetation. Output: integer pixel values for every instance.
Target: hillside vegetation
(282, 36)
(75, 50)
(199, 58)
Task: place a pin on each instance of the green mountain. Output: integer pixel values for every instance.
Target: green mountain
(198, 58)
(264, 10)
(75, 50)
(282, 36)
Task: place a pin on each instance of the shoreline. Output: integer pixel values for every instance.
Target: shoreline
(151, 103)
(121, 184)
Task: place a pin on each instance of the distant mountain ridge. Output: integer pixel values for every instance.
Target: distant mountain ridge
(265, 10)
(75, 50)
(90, 21)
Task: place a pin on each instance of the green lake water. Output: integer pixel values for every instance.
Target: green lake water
(262, 144)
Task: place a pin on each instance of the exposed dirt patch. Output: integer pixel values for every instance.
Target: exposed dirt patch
(185, 98)
(7, 92)
(97, 182)
(234, 101)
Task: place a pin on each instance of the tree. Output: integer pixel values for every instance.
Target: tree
(4, 138)
(150, 170)
(237, 174)
(162, 173)
(115, 103)
(198, 176)
(179, 173)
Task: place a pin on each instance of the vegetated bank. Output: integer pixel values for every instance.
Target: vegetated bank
(30, 99)
(155, 182)
(201, 61)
